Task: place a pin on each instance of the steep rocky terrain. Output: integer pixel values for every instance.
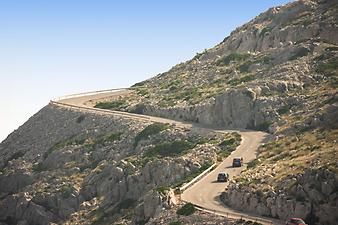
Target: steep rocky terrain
(70, 167)
(249, 78)
(277, 73)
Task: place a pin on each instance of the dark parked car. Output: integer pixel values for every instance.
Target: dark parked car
(237, 162)
(295, 221)
(222, 177)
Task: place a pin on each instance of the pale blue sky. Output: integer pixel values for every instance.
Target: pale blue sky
(52, 48)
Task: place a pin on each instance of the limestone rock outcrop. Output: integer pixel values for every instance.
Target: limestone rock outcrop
(90, 166)
(312, 196)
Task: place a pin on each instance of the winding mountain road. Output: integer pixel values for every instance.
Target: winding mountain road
(205, 192)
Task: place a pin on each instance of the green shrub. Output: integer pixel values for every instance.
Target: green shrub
(300, 53)
(139, 84)
(244, 68)
(227, 146)
(114, 105)
(199, 54)
(236, 81)
(38, 167)
(177, 222)
(253, 163)
(66, 191)
(162, 189)
(256, 223)
(264, 126)
(224, 153)
(303, 128)
(233, 82)
(204, 167)
(108, 138)
(70, 141)
(186, 210)
(283, 110)
(141, 222)
(237, 136)
(165, 103)
(170, 148)
(328, 68)
(173, 88)
(113, 137)
(192, 95)
(173, 85)
(142, 91)
(228, 142)
(247, 78)
(224, 61)
(188, 94)
(264, 31)
(152, 129)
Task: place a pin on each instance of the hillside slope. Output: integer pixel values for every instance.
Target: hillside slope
(72, 166)
(277, 73)
(253, 76)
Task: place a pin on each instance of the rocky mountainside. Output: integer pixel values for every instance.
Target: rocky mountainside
(249, 78)
(66, 166)
(277, 73)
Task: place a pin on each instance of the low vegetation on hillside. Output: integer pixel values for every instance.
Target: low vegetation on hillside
(256, 79)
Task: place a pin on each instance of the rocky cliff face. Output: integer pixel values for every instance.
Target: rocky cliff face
(311, 195)
(233, 109)
(282, 26)
(68, 166)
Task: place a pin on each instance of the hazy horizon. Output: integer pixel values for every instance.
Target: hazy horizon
(50, 49)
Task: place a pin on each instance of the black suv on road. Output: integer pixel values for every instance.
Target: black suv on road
(222, 177)
(237, 162)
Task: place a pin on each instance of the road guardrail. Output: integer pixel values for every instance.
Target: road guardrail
(197, 178)
(89, 93)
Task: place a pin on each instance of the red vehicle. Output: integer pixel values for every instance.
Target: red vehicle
(295, 221)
